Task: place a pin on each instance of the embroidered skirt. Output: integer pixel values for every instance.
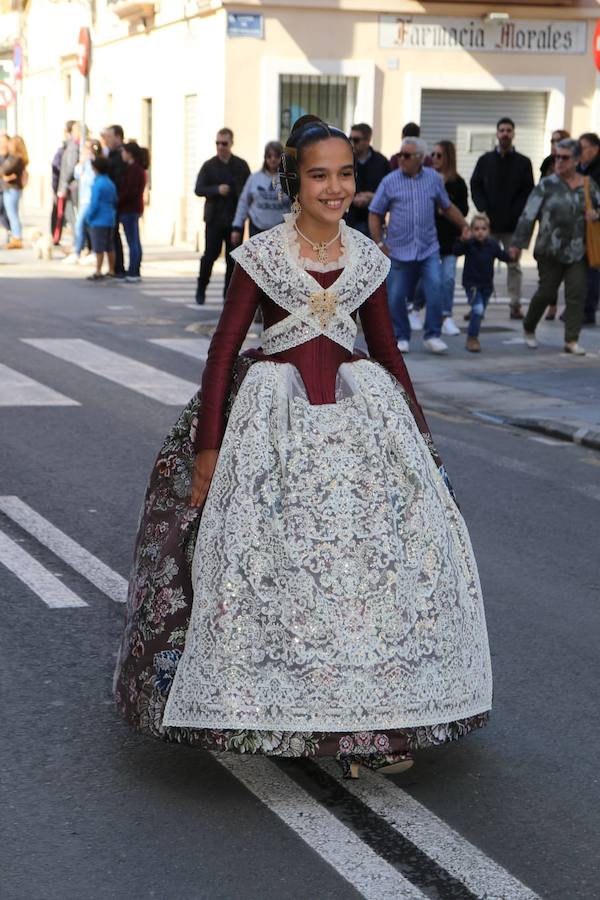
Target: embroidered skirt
(336, 604)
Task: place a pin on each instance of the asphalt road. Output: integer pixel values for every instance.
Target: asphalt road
(91, 811)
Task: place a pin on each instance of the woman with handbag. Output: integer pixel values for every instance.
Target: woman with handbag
(567, 206)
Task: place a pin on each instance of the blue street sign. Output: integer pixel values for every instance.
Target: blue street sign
(245, 25)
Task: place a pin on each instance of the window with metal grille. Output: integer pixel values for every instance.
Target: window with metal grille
(331, 97)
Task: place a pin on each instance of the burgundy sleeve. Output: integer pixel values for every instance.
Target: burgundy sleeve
(238, 312)
(379, 335)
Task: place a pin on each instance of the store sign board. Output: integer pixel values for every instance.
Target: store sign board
(476, 36)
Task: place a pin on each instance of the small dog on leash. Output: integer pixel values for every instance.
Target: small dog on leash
(43, 248)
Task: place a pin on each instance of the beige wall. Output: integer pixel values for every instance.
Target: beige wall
(236, 80)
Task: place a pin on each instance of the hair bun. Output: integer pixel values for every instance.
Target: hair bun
(307, 119)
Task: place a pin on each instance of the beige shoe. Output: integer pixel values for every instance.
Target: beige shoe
(396, 768)
(15, 244)
(473, 345)
(530, 339)
(574, 348)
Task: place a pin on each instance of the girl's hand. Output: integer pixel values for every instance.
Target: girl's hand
(204, 468)
(592, 215)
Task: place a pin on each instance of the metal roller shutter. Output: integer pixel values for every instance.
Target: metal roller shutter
(469, 119)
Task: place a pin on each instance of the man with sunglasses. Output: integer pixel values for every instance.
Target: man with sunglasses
(411, 195)
(371, 167)
(221, 180)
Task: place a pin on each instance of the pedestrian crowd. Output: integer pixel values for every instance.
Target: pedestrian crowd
(413, 206)
(99, 188)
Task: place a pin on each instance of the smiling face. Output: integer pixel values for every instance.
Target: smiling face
(327, 183)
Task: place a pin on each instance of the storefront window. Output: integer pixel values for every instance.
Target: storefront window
(331, 97)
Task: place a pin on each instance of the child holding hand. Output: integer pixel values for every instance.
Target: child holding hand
(480, 252)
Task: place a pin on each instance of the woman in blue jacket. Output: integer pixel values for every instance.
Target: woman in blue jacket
(101, 218)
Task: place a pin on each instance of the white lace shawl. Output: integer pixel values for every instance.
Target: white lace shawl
(271, 259)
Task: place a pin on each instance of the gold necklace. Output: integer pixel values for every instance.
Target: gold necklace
(320, 247)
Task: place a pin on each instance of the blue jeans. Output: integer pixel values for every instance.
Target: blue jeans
(80, 229)
(448, 282)
(12, 199)
(131, 224)
(478, 298)
(401, 284)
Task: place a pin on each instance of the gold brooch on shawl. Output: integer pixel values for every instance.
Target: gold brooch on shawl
(323, 305)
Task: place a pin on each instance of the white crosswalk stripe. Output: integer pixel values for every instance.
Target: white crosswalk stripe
(17, 389)
(47, 586)
(79, 559)
(438, 841)
(122, 370)
(327, 835)
(354, 860)
(195, 347)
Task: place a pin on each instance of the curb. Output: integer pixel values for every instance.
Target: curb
(585, 435)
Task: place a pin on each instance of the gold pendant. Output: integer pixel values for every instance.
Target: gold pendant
(321, 251)
(323, 305)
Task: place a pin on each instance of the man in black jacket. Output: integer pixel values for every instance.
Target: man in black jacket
(500, 185)
(221, 180)
(371, 167)
(113, 139)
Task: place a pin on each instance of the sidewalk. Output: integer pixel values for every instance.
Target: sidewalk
(544, 390)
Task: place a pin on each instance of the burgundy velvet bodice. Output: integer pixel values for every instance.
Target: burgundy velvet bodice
(317, 360)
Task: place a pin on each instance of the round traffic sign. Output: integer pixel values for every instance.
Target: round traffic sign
(7, 95)
(596, 45)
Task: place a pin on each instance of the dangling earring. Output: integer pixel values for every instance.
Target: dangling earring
(296, 208)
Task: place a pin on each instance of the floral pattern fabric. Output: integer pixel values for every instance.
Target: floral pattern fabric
(158, 613)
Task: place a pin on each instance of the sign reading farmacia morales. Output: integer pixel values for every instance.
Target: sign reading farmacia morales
(511, 36)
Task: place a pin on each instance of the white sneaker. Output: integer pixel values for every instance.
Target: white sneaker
(450, 327)
(72, 259)
(575, 348)
(88, 260)
(132, 279)
(403, 347)
(435, 345)
(530, 340)
(415, 321)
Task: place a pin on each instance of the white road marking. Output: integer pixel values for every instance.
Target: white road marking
(461, 859)
(552, 442)
(194, 347)
(364, 869)
(19, 390)
(129, 373)
(98, 573)
(32, 573)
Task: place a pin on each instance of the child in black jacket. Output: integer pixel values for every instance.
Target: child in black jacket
(480, 252)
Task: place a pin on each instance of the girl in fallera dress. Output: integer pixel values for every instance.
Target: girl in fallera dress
(303, 581)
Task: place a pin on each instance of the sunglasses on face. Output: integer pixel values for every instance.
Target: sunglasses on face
(356, 140)
(405, 155)
(562, 157)
(222, 143)
(436, 154)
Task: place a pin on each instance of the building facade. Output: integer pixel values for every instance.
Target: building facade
(173, 71)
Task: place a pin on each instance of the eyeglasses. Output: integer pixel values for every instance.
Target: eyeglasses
(222, 143)
(436, 154)
(404, 155)
(562, 157)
